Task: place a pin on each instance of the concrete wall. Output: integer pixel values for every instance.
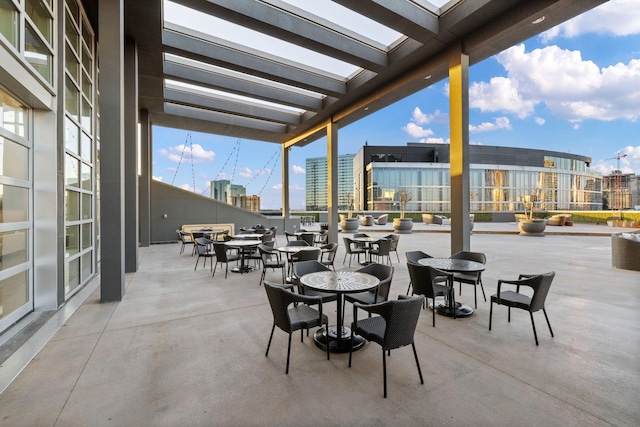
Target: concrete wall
(184, 207)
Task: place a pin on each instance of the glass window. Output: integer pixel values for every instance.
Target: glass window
(40, 17)
(86, 115)
(15, 293)
(37, 54)
(72, 239)
(71, 171)
(86, 206)
(71, 99)
(72, 275)
(87, 265)
(71, 63)
(87, 88)
(15, 204)
(13, 115)
(86, 177)
(9, 22)
(87, 237)
(13, 247)
(14, 160)
(72, 205)
(72, 33)
(71, 136)
(86, 33)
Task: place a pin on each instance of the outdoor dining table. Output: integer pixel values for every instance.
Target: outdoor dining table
(452, 265)
(367, 241)
(290, 250)
(243, 246)
(338, 337)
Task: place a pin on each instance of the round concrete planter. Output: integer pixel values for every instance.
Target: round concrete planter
(349, 225)
(532, 227)
(402, 225)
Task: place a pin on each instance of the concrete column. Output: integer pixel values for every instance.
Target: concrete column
(285, 183)
(459, 131)
(132, 234)
(145, 179)
(112, 195)
(332, 177)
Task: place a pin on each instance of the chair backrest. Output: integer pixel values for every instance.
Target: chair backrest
(347, 244)
(267, 236)
(395, 239)
(540, 284)
(331, 249)
(307, 255)
(414, 256)
(471, 256)
(202, 245)
(360, 235)
(384, 273)
(423, 278)
(297, 243)
(305, 267)
(268, 254)
(401, 317)
(279, 300)
(221, 252)
(307, 237)
(384, 247)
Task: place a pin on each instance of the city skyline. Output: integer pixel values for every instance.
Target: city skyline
(574, 88)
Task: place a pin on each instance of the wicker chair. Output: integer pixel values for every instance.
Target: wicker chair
(471, 278)
(299, 317)
(328, 254)
(202, 245)
(305, 267)
(384, 273)
(185, 239)
(425, 282)
(395, 239)
(351, 249)
(394, 327)
(539, 283)
(271, 259)
(381, 248)
(223, 257)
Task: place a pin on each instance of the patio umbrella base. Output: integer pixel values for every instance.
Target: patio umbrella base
(461, 310)
(337, 345)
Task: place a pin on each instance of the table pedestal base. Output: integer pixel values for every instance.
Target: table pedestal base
(337, 345)
(461, 310)
(242, 269)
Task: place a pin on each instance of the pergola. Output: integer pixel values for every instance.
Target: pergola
(292, 72)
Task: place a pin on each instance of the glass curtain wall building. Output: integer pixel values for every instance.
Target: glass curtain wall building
(317, 191)
(499, 178)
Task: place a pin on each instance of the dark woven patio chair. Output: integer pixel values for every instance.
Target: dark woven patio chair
(328, 254)
(223, 257)
(305, 267)
(351, 249)
(425, 282)
(381, 249)
(384, 273)
(474, 278)
(540, 284)
(298, 317)
(204, 250)
(271, 259)
(394, 327)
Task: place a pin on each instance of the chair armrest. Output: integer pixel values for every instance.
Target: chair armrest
(522, 281)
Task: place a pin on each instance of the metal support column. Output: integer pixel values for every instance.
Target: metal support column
(332, 175)
(459, 154)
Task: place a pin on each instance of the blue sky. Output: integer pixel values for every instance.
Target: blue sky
(574, 88)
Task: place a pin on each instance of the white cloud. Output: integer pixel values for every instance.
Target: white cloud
(190, 188)
(181, 153)
(629, 162)
(277, 187)
(416, 131)
(499, 123)
(157, 178)
(421, 118)
(245, 173)
(571, 88)
(435, 140)
(539, 121)
(617, 17)
(298, 170)
(295, 187)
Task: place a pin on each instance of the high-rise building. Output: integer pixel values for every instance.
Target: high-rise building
(620, 191)
(317, 183)
(500, 177)
(224, 191)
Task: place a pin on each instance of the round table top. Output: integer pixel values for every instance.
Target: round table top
(340, 281)
(453, 265)
(248, 236)
(242, 243)
(293, 249)
(367, 239)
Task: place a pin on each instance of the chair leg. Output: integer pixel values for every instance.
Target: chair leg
(475, 295)
(533, 324)
(482, 288)
(227, 270)
(384, 371)
(214, 269)
(409, 288)
(509, 315)
(397, 256)
(548, 324)
(433, 311)
(490, 313)
(415, 354)
(288, 354)
(350, 345)
(270, 337)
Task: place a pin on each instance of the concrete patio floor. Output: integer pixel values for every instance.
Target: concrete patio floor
(183, 349)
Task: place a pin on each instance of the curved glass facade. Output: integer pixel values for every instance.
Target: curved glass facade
(492, 187)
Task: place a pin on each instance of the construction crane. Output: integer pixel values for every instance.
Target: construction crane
(618, 179)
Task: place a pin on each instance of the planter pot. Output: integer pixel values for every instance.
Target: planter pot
(349, 225)
(532, 227)
(402, 225)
